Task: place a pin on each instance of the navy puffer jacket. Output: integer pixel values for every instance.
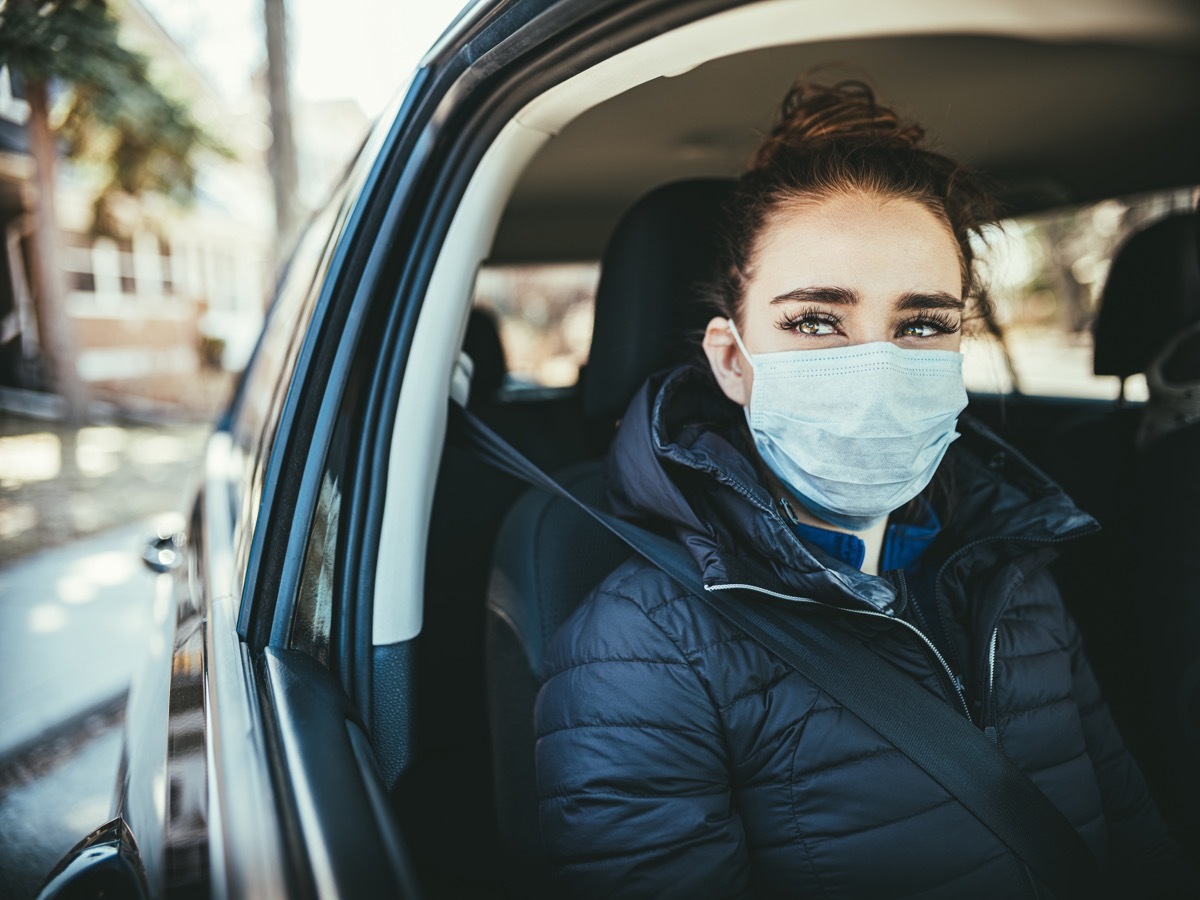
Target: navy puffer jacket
(677, 758)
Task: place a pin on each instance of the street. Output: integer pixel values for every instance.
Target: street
(74, 621)
(49, 802)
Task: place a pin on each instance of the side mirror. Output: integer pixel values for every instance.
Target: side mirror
(162, 550)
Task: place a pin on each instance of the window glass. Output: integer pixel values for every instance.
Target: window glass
(1046, 274)
(260, 398)
(285, 323)
(544, 314)
(312, 625)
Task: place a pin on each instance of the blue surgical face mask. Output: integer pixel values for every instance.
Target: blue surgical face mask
(854, 432)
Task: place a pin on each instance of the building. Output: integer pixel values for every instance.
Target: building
(177, 295)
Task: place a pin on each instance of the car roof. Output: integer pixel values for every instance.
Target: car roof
(1094, 100)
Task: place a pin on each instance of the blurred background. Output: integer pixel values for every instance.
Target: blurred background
(158, 159)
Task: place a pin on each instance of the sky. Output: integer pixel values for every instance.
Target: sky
(362, 49)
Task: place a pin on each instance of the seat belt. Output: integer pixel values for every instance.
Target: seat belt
(945, 744)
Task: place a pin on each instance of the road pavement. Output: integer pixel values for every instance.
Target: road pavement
(74, 625)
(55, 798)
(73, 622)
(76, 615)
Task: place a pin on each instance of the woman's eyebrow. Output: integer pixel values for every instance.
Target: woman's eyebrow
(934, 300)
(834, 295)
(843, 296)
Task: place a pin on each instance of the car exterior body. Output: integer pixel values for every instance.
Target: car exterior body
(277, 712)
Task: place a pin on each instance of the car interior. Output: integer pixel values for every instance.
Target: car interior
(628, 166)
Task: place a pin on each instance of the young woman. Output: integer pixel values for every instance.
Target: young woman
(819, 455)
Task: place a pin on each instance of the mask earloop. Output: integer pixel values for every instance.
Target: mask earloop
(738, 339)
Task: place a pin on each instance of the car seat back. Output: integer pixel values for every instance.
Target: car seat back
(1162, 525)
(1154, 281)
(437, 764)
(549, 555)
(483, 345)
(1141, 624)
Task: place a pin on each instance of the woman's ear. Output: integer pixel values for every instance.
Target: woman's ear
(729, 366)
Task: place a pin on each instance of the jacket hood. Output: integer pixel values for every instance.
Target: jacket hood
(683, 461)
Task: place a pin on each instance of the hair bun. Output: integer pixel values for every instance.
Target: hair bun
(817, 115)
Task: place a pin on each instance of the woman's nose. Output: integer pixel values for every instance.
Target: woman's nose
(870, 332)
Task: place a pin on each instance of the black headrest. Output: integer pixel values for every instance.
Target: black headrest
(1152, 293)
(482, 343)
(646, 302)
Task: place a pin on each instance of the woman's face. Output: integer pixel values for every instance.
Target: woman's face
(843, 271)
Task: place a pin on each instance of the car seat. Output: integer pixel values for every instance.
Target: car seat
(489, 367)
(548, 553)
(437, 762)
(1141, 624)
(1162, 513)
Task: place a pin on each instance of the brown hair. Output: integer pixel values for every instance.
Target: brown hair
(838, 139)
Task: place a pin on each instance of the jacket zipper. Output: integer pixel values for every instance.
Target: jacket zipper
(955, 681)
(985, 713)
(937, 581)
(989, 728)
(957, 684)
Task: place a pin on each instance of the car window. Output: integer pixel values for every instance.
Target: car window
(1046, 274)
(312, 622)
(544, 314)
(255, 417)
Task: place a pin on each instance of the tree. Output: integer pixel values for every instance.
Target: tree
(285, 178)
(145, 140)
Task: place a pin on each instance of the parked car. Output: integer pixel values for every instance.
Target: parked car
(313, 718)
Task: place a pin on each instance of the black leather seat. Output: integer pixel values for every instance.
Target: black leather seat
(1162, 513)
(1134, 588)
(549, 554)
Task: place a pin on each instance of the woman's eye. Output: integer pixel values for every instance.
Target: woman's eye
(918, 329)
(810, 322)
(814, 326)
(927, 328)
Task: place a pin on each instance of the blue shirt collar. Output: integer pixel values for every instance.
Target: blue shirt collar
(903, 542)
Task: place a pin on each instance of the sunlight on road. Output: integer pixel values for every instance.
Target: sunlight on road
(74, 590)
(46, 618)
(16, 518)
(30, 457)
(99, 450)
(58, 483)
(85, 576)
(111, 568)
(159, 449)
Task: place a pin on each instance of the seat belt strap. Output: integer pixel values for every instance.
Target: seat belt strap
(945, 744)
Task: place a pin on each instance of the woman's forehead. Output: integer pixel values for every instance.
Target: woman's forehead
(853, 242)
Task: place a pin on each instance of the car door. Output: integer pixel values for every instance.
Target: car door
(333, 645)
(279, 659)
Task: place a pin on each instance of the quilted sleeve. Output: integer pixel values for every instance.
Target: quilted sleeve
(632, 773)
